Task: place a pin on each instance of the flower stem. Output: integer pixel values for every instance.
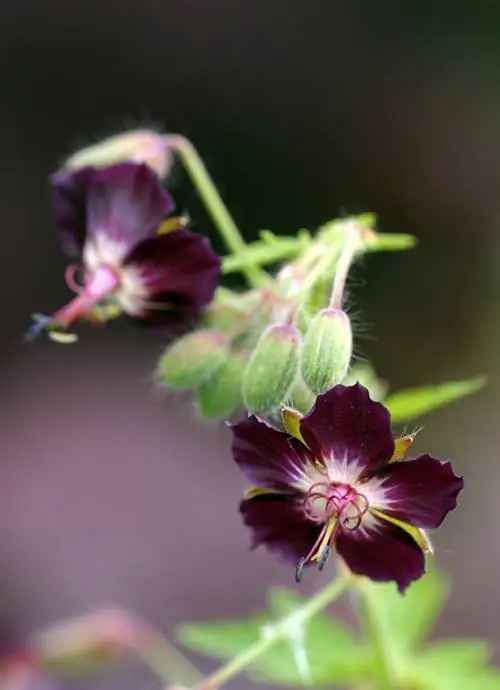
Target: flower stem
(240, 662)
(379, 637)
(213, 202)
(349, 250)
(164, 660)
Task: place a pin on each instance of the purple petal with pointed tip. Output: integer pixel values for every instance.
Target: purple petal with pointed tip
(420, 492)
(266, 457)
(277, 522)
(178, 269)
(345, 423)
(382, 553)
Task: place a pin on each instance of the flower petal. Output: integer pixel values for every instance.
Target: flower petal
(68, 191)
(382, 552)
(178, 269)
(347, 425)
(266, 456)
(420, 492)
(124, 201)
(277, 522)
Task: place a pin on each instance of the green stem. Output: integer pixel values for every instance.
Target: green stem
(164, 660)
(213, 202)
(279, 632)
(351, 246)
(379, 636)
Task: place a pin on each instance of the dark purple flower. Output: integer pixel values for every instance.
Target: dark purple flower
(339, 483)
(132, 258)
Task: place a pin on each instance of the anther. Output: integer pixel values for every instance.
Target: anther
(300, 569)
(40, 323)
(324, 557)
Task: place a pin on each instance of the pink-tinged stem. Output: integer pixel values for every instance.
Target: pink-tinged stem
(100, 285)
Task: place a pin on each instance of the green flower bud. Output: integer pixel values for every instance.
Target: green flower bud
(327, 350)
(191, 359)
(227, 313)
(220, 395)
(137, 146)
(272, 369)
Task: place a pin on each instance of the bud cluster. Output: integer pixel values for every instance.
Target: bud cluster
(281, 344)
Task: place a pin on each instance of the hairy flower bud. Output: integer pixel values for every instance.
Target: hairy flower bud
(220, 395)
(86, 644)
(272, 369)
(191, 359)
(136, 146)
(327, 350)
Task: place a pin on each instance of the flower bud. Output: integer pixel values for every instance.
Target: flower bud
(86, 644)
(272, 369)
(220, 395)
(327, 350)
(137, 146)
(191, 359)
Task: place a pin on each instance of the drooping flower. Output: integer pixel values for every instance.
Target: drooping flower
(131, 257)
(337, 482)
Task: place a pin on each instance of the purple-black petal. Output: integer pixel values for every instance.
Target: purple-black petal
(383, 553)
(178, 269)
(420, 492)
(266, 457)
(277, 522)
(68, 190)
(346, 424)
(124, 201)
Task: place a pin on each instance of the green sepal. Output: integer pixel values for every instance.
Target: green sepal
(220, 395)
(272, 369)
(191, 359)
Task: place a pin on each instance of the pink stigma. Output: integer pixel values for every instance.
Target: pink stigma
(339, 507)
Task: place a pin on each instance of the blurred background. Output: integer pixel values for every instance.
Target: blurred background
(303, 111)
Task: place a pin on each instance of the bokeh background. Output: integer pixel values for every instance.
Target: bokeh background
(303, 111)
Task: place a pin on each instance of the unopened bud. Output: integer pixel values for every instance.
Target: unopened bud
(191, 359)
(137, 146)
(327, 350)
(227, 312)
(86, 644)
(220, 395)
(272, 369)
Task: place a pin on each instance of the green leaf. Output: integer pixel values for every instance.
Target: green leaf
(455, 665)
(408, 619)
(321, 652)
(414, 402)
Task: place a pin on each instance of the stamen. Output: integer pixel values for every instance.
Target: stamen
(300, 569)
(324, 557)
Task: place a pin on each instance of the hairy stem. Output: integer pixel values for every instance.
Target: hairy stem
(213, 202)
(349, 250)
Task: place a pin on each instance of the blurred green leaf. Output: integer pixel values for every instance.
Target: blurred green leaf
(321, 652)
(408, 619)
(410, 403)
(456, 665)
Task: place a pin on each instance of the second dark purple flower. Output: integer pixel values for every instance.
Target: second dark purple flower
(130, 257)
